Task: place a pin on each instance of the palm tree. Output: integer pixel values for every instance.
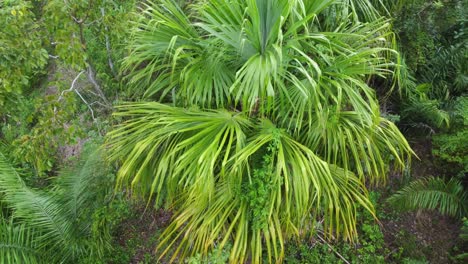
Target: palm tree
(258, 124)
(54, 226)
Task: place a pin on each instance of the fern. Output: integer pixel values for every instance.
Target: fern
(448, 198)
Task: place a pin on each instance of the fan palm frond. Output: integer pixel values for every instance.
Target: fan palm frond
(250, 81)
(344, 140)
(251, 52)
(213, 153)
(158, 136)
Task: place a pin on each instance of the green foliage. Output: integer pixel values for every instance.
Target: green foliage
(424, 26)
(451, 147)
(216, 138)
(369, 249)
(35, 128)
(297, 253)
(274, 129)
(57, 221)
(257, 192)
(450, 78)
(433, 194)
(410, 249)
(462, 256)
(216, 256)
(22, 55)
(89, 33)
(282, 81)
(417, 108)
(110, 216)
(433, 43)
(18, 243)
(40, 120)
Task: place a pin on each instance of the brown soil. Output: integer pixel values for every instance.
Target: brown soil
(426, 235)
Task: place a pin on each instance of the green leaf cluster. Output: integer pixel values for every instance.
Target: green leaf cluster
(22, 54)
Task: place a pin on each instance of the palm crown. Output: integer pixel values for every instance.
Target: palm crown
(264, 121)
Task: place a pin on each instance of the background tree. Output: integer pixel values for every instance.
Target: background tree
(22, 55)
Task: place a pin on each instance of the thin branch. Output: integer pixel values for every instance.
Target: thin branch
(336, 252)
(93, 22)
(90, 71)
(108, 48)
(97, 87)
(71, 87)
(88, 105)
(98, 103)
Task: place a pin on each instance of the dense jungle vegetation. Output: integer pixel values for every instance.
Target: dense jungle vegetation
(233, 131)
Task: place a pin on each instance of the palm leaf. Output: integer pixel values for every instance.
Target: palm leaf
(448, 198)
(249, 81)
(214, 162)
(18, 243)
(54, 220)
(40, 211)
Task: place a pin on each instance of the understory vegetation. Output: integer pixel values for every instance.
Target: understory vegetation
(233, 131)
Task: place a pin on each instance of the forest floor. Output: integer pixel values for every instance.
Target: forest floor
(424, 234)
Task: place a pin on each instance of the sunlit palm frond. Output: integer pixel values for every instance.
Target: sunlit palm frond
(155, 42)
(173, 147)
(345, 140)
(260, 206)
(300, 130)
(243, 52)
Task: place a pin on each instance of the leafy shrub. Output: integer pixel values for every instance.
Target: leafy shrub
(451, 147)
(216, 256)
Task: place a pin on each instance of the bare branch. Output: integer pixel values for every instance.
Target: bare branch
(88, 105)
(98, 103)
(97, 87)
(336, 252)
(71, 87)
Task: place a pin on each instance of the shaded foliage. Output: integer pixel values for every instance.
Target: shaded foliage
(55, 225)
